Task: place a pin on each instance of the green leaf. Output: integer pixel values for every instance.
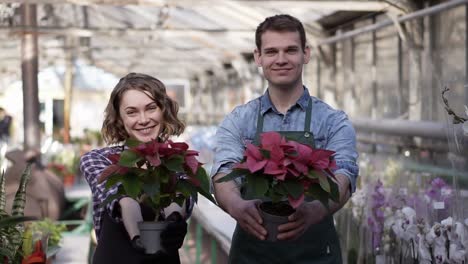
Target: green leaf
(128, 158)
(131, 185)
(312, 174)
(317, 193)
(207, 195)
(256, 187)
(235, 173)
(335, 191)
(294, 188)
(131, 142)
(14, 220)
(203, 178)
(323, 180)
(185, 188)
(113, 180)
(265, 153)
(179, 200)
(175, 163)
(151, 188)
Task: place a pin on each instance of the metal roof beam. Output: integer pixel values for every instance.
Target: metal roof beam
(319, 5)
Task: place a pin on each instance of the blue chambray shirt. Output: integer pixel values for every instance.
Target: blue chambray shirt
(331, 128)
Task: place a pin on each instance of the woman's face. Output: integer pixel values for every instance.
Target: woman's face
(140, 115)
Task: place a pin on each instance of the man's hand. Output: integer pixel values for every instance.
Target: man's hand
(247, 216)
(306, 214)
(311, 213)
(245, 212)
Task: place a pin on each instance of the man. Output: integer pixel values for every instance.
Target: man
(287, 107)
(5, 124)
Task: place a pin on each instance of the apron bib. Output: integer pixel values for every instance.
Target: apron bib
(318, 245)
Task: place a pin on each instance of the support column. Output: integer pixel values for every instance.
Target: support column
(466, 53)
(68, 89)
(29, 70)
(374, 81)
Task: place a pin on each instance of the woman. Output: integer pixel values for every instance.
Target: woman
(138, 108)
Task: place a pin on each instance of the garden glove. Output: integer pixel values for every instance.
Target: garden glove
(172, 237)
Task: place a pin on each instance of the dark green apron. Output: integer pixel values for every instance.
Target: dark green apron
(318, 245)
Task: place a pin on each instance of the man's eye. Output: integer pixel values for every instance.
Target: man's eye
(292, 51)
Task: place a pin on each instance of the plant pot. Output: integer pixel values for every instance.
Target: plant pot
(274, 215)
(150, 235)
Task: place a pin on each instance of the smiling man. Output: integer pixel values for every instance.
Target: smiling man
(286, 107)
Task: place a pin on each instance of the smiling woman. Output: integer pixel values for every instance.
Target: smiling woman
(140, 114)
(138, 109)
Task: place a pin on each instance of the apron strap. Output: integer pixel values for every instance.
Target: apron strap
(308, 117)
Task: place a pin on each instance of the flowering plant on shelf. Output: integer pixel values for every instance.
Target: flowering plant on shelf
(280, 169)
(157, 173)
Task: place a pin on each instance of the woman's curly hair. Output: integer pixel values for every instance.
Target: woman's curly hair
(113, 130)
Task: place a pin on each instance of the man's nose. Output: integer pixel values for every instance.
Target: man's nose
(281, 58)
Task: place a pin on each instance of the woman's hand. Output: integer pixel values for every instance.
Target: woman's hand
(172, 237)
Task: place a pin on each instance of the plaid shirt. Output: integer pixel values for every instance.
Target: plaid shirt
(91, 165)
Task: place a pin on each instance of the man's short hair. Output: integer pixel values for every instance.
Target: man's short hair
(280, 23)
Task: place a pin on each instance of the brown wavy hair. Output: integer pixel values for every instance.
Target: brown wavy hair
(113, 130)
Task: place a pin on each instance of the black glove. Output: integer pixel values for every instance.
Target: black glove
(137, 245)
(172, 237)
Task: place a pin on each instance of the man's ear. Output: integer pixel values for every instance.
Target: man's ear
(306, 54)
(257, 56)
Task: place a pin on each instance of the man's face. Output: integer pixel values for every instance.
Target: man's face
(282, 58)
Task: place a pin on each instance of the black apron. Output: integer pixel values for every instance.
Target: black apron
(114, 247)
(318, 245)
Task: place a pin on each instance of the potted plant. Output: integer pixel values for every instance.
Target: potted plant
(283, 173)
(157, 174)
(11, 226)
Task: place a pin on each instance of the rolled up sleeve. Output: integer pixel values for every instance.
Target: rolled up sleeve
(229, 147)
(342, 140)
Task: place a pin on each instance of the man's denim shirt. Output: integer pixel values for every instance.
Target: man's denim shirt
(331, 128)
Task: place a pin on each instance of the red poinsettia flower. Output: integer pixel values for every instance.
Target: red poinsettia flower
(158, 173)
(191, 160)
(288, 169)
(320, 159)
(255, 160)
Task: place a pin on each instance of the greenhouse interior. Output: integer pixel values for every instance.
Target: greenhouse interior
(397, 69)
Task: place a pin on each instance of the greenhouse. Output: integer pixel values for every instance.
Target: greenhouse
(111, 106)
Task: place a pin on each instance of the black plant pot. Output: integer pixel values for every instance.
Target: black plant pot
(274, 215)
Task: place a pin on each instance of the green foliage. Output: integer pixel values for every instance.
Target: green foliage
(11, 226)
(39, 229)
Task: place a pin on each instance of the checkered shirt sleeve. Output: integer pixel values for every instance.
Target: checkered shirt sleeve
(91, 165)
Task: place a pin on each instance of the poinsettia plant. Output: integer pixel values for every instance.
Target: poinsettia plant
(157, 173)
(280, 169)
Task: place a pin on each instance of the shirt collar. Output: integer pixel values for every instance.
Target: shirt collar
(266, 103)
